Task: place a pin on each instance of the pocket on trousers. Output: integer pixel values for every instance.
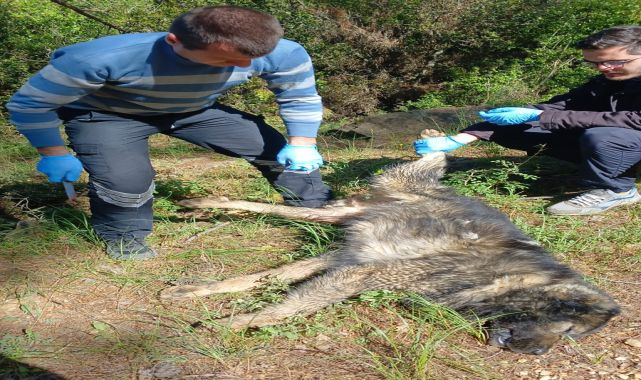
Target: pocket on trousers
(92, 160)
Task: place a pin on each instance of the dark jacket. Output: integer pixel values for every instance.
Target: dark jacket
(598, 103)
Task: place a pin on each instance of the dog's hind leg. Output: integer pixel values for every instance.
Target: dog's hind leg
(332, 287)
(293, 272)
(328, 214)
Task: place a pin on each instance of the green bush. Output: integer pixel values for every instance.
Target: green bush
(533, 37)
(29, 32)
(388, 54)
(494, 87)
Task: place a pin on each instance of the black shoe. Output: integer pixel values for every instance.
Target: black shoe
(133, 249)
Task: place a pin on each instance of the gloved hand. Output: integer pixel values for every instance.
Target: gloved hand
(300, 157)
(510, 115)
(60, 168)
(436, 144)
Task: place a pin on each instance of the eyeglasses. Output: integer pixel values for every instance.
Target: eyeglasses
(609, 64)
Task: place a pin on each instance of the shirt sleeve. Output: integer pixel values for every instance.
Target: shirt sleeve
(32, 109)
(294, 84)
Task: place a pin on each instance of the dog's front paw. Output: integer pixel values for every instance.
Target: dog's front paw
(427, 133)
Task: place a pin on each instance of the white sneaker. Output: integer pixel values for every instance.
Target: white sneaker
(594, 202)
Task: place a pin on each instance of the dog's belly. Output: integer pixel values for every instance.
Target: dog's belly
(421, 229)
(400, 234)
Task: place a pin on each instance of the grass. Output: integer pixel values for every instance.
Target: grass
(418, 344)
(78, 306)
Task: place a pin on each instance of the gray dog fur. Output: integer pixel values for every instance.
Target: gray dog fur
(414, 234)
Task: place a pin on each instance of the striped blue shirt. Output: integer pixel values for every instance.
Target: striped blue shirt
(140, 74)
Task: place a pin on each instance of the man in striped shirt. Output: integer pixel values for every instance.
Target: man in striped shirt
(114, 92)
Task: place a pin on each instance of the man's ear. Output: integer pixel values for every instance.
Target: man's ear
(171, 39)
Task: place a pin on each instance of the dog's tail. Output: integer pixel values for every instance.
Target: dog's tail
(413, 177)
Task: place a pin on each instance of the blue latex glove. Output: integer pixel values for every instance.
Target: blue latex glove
(510, 115)
(60, 168)
(436, 144)
(300, 157)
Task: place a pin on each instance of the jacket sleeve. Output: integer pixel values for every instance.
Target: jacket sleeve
(589, 119)
(556, 115)
(294, 85)
(32, 109)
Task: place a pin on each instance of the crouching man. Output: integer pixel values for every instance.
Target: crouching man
(597, 125)
(114, 92)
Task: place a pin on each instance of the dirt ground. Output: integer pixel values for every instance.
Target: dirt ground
(78, 315)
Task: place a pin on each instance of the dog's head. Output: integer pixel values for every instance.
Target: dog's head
(536, 330)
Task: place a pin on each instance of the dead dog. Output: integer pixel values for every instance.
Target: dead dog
(415, 234)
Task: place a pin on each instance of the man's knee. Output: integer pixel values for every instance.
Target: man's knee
(610, 138)
(134, 196)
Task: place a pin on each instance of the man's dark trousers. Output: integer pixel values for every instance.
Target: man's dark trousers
(606, 156)
(113, 149)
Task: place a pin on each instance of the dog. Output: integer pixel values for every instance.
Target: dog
(414, 234)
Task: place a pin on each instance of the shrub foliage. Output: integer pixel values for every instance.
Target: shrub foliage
(369, 55)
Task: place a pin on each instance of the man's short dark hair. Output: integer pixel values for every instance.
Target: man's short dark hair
(251, 32)
(628, 36)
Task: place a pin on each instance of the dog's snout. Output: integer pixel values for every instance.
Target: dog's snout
(502, 340)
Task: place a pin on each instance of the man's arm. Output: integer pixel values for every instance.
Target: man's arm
(590, 119)
(59, 150)
(32, 109)
(570, 111)
(292, 81)
(291, 78)
(299, 140)
(561, 111)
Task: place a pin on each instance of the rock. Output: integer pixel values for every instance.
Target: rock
(111, 269)
(633, 342)
(165, 370)
(405, 126)
(323, 343)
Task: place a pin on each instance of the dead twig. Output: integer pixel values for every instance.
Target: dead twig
(199, 234)
(624, 282)
(83, 12)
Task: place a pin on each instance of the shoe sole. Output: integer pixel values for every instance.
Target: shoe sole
(622, 202)
(132, 256)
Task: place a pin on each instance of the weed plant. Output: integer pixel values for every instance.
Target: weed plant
(414, 348)
(504, 178)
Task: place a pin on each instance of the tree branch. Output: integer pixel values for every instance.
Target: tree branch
(88, 15)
